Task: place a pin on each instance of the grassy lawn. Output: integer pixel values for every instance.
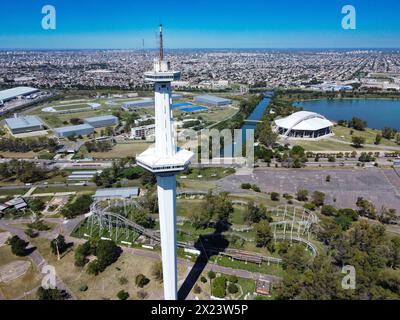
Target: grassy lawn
(185, 207)
(28, 281)
(199, 185)
(272, 269)
(70, 188)
(19, 155)
(106, 285)
(328, 145)
(121, 150)
(368, 134)
(6, 192)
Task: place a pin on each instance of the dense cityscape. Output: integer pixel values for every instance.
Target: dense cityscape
(202, 69)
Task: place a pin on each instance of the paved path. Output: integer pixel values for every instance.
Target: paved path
(35, 256)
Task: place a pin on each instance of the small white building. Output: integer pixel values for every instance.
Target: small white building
(143, 131)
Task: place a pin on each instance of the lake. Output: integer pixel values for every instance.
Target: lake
(378, 113)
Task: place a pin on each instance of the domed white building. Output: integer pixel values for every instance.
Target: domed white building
(303, 124)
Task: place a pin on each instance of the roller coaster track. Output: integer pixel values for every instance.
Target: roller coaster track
(105, 212)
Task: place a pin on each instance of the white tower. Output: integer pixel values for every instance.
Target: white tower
(165, 160)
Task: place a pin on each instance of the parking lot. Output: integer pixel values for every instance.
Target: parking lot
(381, 186)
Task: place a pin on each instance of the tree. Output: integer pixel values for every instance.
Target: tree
(18, 246)
(357, 124)
(388, 133)
(357, 141)
(302, 195)
(274, 196)
(51, 294)
(266, 136)
(366, 208)
(79, 205)
(157, 271)
(141, 280)
(245, 185)
(122, 295)
(263, 233)
(378, 138)
(328, 210)
(58, 245)
(107, 253)
(81, 253)
(232, 288)
(142, 217)
(318, 198)
(211, 275)
(295, 258)
(253, 213)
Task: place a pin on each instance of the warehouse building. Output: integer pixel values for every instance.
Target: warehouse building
(69, 131)
(102, 121)
(212, 100)
(143, 103)
(304, 124)
(116, 193)
(14, 93)
(24, 124)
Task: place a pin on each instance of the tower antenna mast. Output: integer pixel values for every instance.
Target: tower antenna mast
(161, 44)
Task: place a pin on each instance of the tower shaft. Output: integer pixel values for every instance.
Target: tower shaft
(166, 190)
(165, 142)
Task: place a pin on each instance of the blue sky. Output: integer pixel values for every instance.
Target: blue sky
(200, 24)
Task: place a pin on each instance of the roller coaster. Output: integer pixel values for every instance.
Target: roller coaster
(290, 223)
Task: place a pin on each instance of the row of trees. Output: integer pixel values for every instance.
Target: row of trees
(24, 171)
(98, 146)
(28, 144)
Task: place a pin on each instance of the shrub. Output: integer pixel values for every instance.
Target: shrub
(255, 188)
(141, 280)
(302, 195)
(211, 275)
(274, 196)
(233, 288)
(245, 186)
(157, 271)
(94, 267)
(122, 280)
(83, 288)
(142, 295)
(203, 279)
(197, 289)
(123, 295)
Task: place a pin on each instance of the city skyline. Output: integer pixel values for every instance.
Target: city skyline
(124, 25)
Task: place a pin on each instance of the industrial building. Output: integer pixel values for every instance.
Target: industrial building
(83, 175)
(78, 130)
(143, 103)
(304, 124)
(212, 100)
(102, 121)
(10, 94)
(116, 193)
(143, 131)
(24, 124)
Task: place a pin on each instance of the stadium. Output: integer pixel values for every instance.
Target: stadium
(303, 125)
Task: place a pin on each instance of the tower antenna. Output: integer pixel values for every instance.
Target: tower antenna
(161, 44)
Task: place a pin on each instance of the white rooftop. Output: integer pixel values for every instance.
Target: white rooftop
(153, 161)
(15, 92)
(23, 122)
(304, 120)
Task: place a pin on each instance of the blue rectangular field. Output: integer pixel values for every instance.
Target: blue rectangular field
(181, 104)
(194, 109)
